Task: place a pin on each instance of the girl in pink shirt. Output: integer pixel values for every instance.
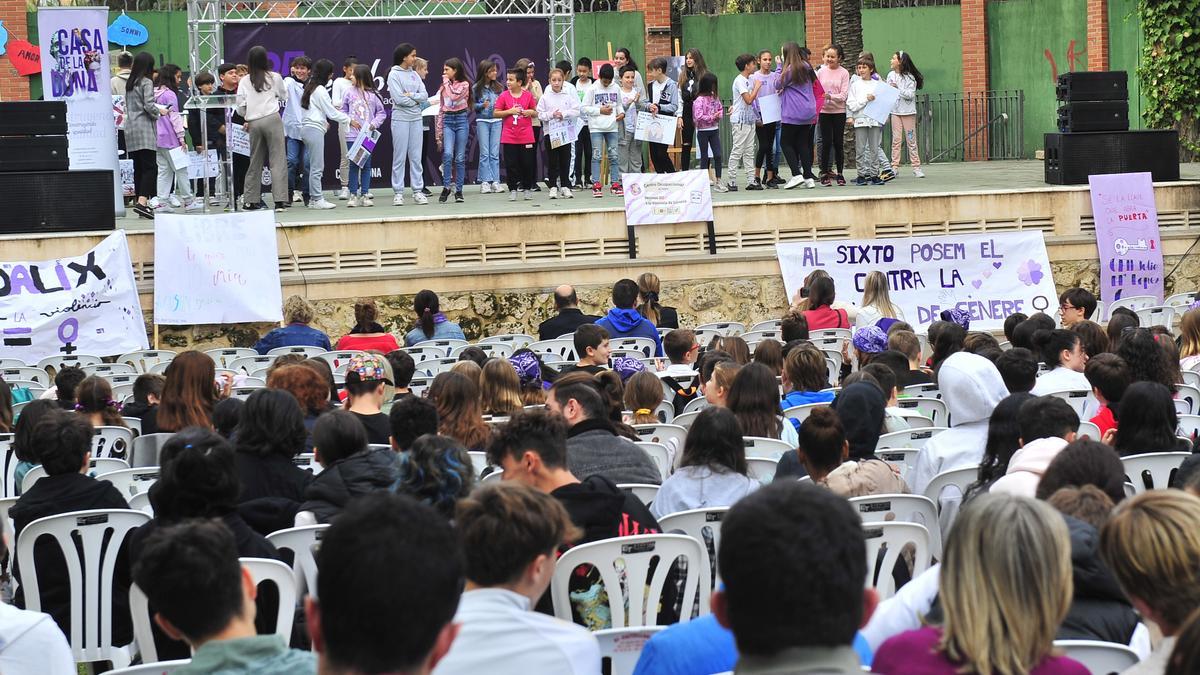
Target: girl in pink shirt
(836, 81)
(452, 128)
(516, 108)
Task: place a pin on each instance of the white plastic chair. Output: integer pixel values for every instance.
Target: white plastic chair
(1182, 299)
(494, 350)
(1152, 470)
(272, 571)
(927, 390)
(26, 374)
(303, 542)
(144, 360)
(247, 364)
(227, 357)
(685, 419)
(766, 447)
(903, 459)
(659, 455)
(1077, 398)
(338, 358)
(801, 412)
(308, 462)
(621, 648)
(1189, 393)
(892, 537)
(772, 324)
(8, 488)
(97, 467)
(57, 362)
(703, 525)
(723, 328)
(1098, 657)
(514, 340)
(915, 419)
(695, 405)
(637, 553)
(1160, 315)
(931, 408)
(661, 433)
(10, 362)
(904, 509)
(89, 541)
(243, 393)
(1191, 377)
(6, 524)
(103, 369)
(756, 336)
(159, 668)
(762, 469)
(478, 463)
(131, 482)
(1134, 302)
(1182, 406)
(1090, 430)
(146, 449)
(644, 345)
(645, 492)
(306, 351)
(432, 367)
(907, 438)
(839, 333)
(141, 502)
(420, 354)
(496, 475)
(112, 442)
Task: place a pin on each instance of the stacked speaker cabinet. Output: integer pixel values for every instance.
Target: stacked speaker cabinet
(42, 193)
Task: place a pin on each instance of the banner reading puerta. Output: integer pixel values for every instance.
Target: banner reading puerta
(471, 40)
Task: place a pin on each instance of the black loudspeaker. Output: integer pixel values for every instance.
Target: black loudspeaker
(29, 118)
(1071, 157)
(57, 201)
(1094, 116)
(1105, 85)
(33, 153)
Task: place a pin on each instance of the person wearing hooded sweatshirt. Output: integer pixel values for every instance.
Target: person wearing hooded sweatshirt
(594, 447)
(1047, 424)
(409, 98)
(625, 321)
(350, 467)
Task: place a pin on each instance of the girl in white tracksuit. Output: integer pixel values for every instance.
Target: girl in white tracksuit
(409, 98)
(316, 112)
(558, 104)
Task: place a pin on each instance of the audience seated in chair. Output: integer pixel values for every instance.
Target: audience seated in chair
(625, 321)
(568, 318)
(592, 446)
(436, 471)
(367, 379)
(350, 469)
(269, 436)
(410, 419)
(297, 314)
(1047, 425)
(712, 471)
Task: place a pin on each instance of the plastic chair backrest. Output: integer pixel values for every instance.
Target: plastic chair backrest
(907, 438)
(839, 333)
(272, 571)
(10, 362)
(250, 364)
(1100, 658)
(637, 553)
(144, 360)
(57, 362)
(703, 525)
(801, 412)
(228, 357)
(762, 469)
(890, 538)
(28, 374)
(1160, 315)
(766, 447)
(102, 369)
(724, 328)
(696, 405)
(141, 502)
(303, 542)
(1182, 299)
(932, 408)
(496, 475)
(308, 462)
(916, 420)
(928, 390)
(1152, 470)
(435, 366)
(902, 508)
(131, 482)
(445, 344)
(89, 542)
(772, 324)
(659, 455)
(1134, 302)
(620, 648)
(112, 442)
(6, 524)
(478, 462)
(159, 668)
(904, 459)
(1090, 430)
(338, 358)
(685, 419)
(645, 492)
(1077, 398)
(9, 486)
(644, 345)
(146, 449)
(1191, 394)
(662, 433)
(304, 350)
(514, 340)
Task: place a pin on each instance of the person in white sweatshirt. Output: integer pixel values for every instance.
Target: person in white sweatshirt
(258, 98)
(557, 108)
(1047, 425)
(409, 98)
(317, 110)
(293, 120)
(602, 106)
(868, 133)
(1062, 352)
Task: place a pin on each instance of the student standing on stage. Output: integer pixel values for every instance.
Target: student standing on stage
(340, 86)
(227, 85)
(293, 119)
(663, 100)
(707, 111)
(487, 127)
(533, 87)
(689, 84)
(742, 120)
(318, 110)
(836, 81)
(867, 132)
(602, 106)
(211, 121)
(409, 98)
(516, 110)
(363, 104)
(764, 159)
(259, 94)
(905, 77)
(453, 127)
(581, 152)
(622, 58)
(141, 118)
(171, 127)
(629, 149)
(800, 101)
(559, 106)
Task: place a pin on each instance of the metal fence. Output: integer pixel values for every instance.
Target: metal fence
(956, 126)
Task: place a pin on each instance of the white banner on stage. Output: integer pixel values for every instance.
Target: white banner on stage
(223, 268)
(681, 197)
(86, 304)
(75, 62)
(990, 276)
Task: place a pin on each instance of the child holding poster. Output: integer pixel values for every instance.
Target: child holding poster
(363, 105)
(663, 99)
(629, 149)
(316, 112)
(768, 117)
(558, 109)
(868, 133)
(172, 153)
(905, 77)
(517, 109)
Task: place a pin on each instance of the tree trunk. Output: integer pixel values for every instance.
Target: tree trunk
(847, 32)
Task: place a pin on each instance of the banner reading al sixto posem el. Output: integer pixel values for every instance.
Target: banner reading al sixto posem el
(83, 304)
(75, 62)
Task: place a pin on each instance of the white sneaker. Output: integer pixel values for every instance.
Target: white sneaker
(320, 204)
(512, 196)
(352, 202)
(174, 202)
(398, 199)
(485, 189)
(553, 193)
(296, 196)
(344, 194)
(810, 183)
(528, 195)
(794, 181)
(366, 200)
(420, 198)
(719, 187)
(194, 205)
(566, 193)
(216, 201)
(499, 188)
(918, 173)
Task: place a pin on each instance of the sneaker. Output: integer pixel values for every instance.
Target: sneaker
(194, 205)
(754, 185)
(597, 190)
(618, 190)
(458, 197)
(444, 196)
(253, 207)
(174, 202)
(143, 211)
(794, 181)
(366, 200)
(887, 174)
(156, 204)
(826, 180)
(719, 187)
(553, 193)
(918, 172)
(528, 195)
(771, 185)
(485, 188)
(537, 187)
(369, 196)
(841, 180)
(425, 191)
(320, 204)
(344, 194)
(499, 188)
(216, 201)
(296, 196)
(421, 199)
(731, 187)
(283, 205)
(398, 199)
(860, 181)
(878, 181)
(775, 182)
(352, 202)
(566, 193)
(810, 183)
(512, 196)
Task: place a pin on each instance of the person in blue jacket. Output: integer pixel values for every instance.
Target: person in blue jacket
(625, 321)
(805, 374)
(297, 314)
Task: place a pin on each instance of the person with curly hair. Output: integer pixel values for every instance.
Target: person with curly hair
(436, 471)
(1147, 359)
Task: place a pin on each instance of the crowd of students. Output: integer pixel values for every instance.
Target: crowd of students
(586, 115)
(1046, 532)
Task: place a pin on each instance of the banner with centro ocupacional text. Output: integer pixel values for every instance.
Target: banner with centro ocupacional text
(990, 276)
(75, 60)
(655, 198)
(85, 304)
(1127, 237)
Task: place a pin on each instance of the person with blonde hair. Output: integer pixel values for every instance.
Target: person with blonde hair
(1152, 545)
(1002, 604)
(648, 305)
(500, 388)
(643, 394)
(296, 331)
(367, 334)
(716, 390)
(876, 303)
(1189, 334)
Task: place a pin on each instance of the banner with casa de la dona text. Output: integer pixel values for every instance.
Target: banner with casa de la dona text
(75, 62)
(1131, 258)
(85, 304)
(680, 197)
(990, 276)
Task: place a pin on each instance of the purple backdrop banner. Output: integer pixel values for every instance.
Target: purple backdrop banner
(1131, 259)
(372, 43)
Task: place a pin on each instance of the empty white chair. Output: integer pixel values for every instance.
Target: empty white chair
(1077, 398)
(431, 368)
(228, 357)
(661, 433)
(640, 344)
(1134, 302)
(772, 324)
(1182, 299)
(146, 449)
(621, 648)
(247, 364)
(927, 390)
(10, 362)
(112, 442)
(724, 328)
(627, 585)
(130, 482)
(659, 455)
(766, 447)
(159, 668)
(514, 340)
(145, 360)
(902, 508)
(645, 492)
(265, 570)
(303, 542)
(801, 412)
(1161, 315)
(1090, 430)
(89, 541)
(892, 537)
(303, 350)
(495, 350)
(756, 336)
(446, 345)
(762, 469)
(1152, 470)
(1099, 657)
(685, 420)
(110, 369)
(932, 408)
(27, 374)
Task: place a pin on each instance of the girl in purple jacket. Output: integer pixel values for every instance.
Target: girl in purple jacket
(363, 105)
(170, 131)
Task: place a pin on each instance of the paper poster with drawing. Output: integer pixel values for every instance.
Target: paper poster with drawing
(360, 151)
(1127, 236)
(880, 109)
(560, 132)
(655, 128)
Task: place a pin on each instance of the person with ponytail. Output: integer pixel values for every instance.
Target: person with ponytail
(94, 399)
(1062, 352)
(648, 305)
(318, 110)
(367, 334)
(431, 323)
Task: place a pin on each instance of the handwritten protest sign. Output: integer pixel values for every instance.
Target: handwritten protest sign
(203, 166)
(990, 276)
(86, 304)
(1131, 261)
(880, 109)
(681, 197)
(224, 268)
(655, 128)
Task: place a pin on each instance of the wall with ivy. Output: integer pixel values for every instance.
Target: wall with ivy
(1169, 66)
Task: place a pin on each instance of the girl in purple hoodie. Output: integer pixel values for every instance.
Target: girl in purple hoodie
(799, 106)
(170, 129)
(362, 103)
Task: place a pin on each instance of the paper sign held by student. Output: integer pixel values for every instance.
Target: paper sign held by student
(681, 197)
(1131, 259)
(360, 151)
(239, 139)
(655, 128)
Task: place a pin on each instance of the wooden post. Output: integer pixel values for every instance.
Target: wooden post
(156, 336)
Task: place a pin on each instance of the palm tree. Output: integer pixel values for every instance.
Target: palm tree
(847, 31)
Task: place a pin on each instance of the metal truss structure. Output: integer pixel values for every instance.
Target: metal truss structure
(207, 17)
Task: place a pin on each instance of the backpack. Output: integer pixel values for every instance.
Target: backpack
(683, 394)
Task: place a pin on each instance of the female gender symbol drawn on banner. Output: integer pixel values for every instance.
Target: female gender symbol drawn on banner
(68, 331)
